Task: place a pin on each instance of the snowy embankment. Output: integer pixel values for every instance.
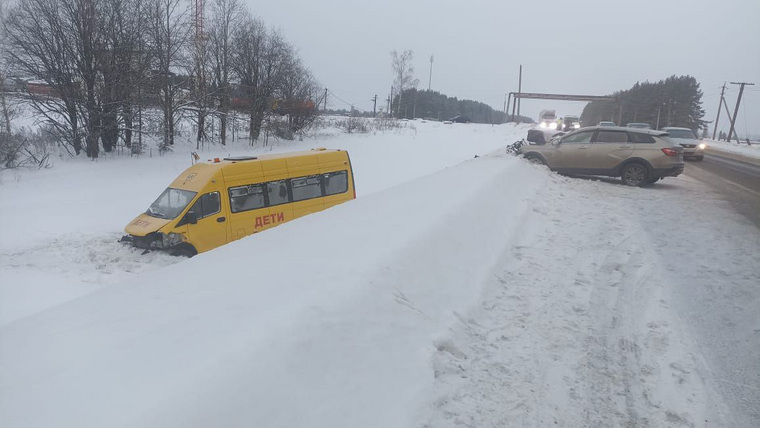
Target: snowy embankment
(750, 151)
(60, 225)
(336, 329)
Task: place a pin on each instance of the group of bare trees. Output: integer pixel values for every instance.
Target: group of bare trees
(102, 63)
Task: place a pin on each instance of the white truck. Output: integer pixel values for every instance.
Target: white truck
(547, 119)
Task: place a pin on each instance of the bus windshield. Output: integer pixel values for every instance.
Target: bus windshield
(171, 203)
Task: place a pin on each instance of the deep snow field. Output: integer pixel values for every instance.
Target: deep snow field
(454, 291)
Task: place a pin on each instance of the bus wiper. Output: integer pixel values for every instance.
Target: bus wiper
(152, 213)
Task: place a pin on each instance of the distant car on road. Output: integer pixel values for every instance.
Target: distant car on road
(638, 156)
(460, 119)
(606, 123)
(638, 125)
(571, 123)
(693, 147)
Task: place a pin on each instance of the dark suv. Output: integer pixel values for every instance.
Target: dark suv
(638, 156)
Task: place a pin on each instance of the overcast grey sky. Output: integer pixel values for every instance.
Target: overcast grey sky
(577, 47)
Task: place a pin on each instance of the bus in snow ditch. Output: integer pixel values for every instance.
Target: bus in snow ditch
(211, 204)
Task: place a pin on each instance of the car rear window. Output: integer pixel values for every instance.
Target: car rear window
(641, 138)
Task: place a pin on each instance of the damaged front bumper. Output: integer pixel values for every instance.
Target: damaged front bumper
(154, 241)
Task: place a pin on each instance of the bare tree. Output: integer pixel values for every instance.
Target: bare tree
(298, 93)
(39, 41)
(81, 25)
(169, 35)
(226, 15)
(403, 72)
(200, 101)
(5, 124)
(122, 65)
(250, 40)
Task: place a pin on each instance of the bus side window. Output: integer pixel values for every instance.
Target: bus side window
(335, 182)
(244, 198)
(306, 188)
(277, 191)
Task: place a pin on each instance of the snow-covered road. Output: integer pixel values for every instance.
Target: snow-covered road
(453, 292)
(611, 310)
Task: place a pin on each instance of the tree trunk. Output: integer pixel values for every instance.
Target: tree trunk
(251, 126)
(6, 112)
(93, 124)
(201, 127)
(110, 133)
(223, 118)
(76, 139)
(127, 115)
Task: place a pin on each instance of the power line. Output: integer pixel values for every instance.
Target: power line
(340, 99)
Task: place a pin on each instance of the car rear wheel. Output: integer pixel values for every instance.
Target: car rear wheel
(635, 174)
(700, 158)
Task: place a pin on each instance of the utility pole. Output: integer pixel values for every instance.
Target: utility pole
(717, 118)
(374, 106)
(736, 110)
(519, 91)
(728, 113)
(430, 80)
(325, 99)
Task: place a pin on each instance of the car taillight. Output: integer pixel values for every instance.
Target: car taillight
(670, 152)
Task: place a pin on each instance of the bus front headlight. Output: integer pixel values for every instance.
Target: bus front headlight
(170, 239)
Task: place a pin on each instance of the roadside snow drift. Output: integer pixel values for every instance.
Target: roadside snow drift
(335, 329)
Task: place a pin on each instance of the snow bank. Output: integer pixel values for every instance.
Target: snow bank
(65, 221)
(743, 149)
(330, 320)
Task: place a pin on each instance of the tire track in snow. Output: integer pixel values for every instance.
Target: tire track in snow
(582, 337)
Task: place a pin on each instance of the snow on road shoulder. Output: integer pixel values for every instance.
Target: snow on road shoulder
(334, 329)
(582, 326)
(751, 151)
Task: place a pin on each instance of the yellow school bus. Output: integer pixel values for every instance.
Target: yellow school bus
(211, 204)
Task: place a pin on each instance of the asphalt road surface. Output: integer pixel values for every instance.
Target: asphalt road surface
(735, 177)
(724, 313)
